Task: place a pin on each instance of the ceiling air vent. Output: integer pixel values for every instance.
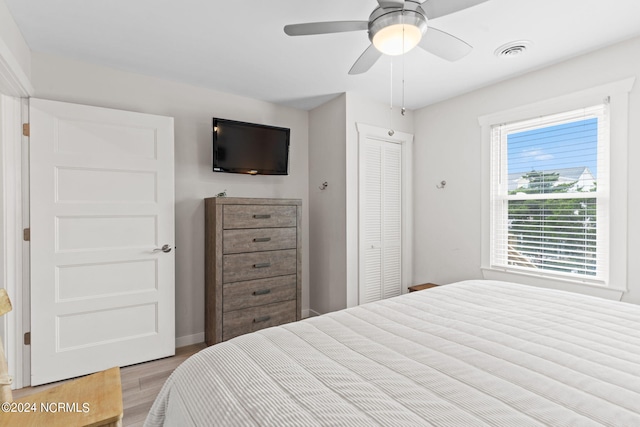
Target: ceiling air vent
(512, 49)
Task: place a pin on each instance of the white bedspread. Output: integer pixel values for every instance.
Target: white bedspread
(474, 353)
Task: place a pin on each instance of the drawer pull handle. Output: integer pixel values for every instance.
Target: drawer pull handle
(262, 292)
(261, 319)
(262, 265)
(262, 239)
(267, 216)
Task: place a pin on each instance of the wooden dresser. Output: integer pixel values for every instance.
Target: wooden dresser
(253, 265)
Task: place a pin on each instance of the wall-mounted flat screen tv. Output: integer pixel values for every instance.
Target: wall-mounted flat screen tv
(250, 148)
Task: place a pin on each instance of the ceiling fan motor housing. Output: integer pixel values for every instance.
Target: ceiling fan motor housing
(409, 15)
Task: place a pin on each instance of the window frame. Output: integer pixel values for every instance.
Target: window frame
(500, 196)
(617, 94)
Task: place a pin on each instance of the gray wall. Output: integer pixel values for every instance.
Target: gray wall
(192, 107)
(11, 38)
(333, 157)
(327, 142)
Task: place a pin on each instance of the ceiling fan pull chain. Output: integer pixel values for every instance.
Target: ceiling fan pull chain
(391, 84)
(391, 132)
(402, 109)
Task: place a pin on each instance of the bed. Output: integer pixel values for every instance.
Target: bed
(474, 353)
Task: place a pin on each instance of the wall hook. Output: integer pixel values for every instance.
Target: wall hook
(442, 185)
(324, 185)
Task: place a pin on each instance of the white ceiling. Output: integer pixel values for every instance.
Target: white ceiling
(239, 46)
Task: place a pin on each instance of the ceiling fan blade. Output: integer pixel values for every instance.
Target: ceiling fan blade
(391, 3)
(444, 45)
(311, 28)
(436, 8)
(366, 60)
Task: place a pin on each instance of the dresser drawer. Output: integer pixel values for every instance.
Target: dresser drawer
(240, 322)
(253, 265)
(258, 239)
(253, 293)
(256, 265)
(258, 216)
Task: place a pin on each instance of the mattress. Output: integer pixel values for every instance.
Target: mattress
(474, 353)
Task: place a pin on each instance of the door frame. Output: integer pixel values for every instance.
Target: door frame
(16, 87)
(366, 131)
(15, 251)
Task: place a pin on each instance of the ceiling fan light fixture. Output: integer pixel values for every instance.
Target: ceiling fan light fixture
(397, 32)
(397, 39)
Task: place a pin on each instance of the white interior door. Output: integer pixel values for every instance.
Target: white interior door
(381, 216)
(101, 203)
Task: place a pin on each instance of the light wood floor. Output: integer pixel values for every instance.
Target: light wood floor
(140, 384)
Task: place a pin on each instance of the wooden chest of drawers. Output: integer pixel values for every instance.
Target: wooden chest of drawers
(253, 269)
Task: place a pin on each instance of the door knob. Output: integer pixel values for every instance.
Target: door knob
(164, 248)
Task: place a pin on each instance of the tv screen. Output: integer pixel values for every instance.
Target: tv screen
(240, 147)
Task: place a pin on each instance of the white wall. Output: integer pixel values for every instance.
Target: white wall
(11, 37)
(327, 142)
(447, 222)
(333, 157)
(193, 108)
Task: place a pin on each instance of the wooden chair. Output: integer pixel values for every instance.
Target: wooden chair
(5, 379)
(94, 400)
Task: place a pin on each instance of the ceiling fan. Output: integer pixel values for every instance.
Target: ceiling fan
(395, 27)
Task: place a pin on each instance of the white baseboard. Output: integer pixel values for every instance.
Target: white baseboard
(198, 338)
(189, 339)
(312, 313)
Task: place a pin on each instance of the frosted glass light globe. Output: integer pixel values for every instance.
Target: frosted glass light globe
(391, 40)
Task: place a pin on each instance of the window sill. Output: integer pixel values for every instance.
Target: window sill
(553, 282)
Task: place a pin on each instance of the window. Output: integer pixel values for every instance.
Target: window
(589, 246)
(549, 194)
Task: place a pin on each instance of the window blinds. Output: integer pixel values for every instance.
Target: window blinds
(549, 194)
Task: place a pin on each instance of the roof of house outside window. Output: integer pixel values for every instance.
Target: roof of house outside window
(581, 175)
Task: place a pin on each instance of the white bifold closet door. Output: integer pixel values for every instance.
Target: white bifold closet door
(380, 220)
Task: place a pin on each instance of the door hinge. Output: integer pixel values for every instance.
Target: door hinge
(26, 234)
(26, 129)
(27, 338)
